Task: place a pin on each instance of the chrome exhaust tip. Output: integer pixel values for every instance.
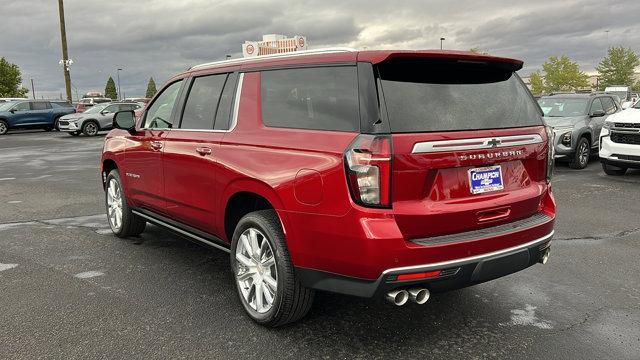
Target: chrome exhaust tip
(398, 297)
(419, 295)
(545, 257)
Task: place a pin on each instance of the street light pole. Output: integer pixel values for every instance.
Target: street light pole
(65, 55)
(119, 93)
(441, 40)
(33, 89)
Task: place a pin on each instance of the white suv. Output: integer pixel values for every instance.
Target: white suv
(620, 141)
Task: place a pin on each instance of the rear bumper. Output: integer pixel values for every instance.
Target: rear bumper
(454, 274)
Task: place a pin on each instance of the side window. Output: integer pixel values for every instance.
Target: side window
(609, 105)
(322, 98)
(111, 108)
(23, 106)
(595, 106)
(202, 102)
(126, 107)
(40, 105)
(223, 117)
(159, 113)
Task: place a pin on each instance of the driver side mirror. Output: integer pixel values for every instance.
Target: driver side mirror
(13, 111)
(105, 112)
(125, 120)
(598, 113)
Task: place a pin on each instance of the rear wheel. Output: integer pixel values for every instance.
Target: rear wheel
(264, 274)
(580, 159)
(122, 220)
(613, 170)
(4, 127)
(90, 128)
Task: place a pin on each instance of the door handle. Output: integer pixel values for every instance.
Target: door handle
(156, 145)
(204, 151)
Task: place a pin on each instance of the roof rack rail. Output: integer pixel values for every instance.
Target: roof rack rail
(275, 56)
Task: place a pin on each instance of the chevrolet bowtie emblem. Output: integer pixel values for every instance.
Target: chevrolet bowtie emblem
(494, 142)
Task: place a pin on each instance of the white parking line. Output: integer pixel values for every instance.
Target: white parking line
(3, 179)
(4, 267)
(88, 274)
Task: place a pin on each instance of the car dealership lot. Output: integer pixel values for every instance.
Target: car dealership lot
(68, 288)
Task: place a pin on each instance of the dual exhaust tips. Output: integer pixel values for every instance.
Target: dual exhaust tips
(400, 297)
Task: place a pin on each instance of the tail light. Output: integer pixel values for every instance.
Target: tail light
(551, 152)
(368, 166)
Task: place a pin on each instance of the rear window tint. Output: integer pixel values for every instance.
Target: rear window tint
(202, 102)
(428, 96)
(223, 117)
(322, 98)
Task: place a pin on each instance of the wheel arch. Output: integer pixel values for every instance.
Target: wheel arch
(244, 196)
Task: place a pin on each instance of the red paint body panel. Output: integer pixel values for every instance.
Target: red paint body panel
(325, 230)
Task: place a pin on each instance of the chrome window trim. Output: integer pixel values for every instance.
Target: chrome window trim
(475, 143)
(471, 259)
(234, 117)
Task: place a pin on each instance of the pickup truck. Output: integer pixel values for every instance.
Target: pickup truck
(31, 114)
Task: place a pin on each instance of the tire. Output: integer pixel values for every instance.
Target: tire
(56, 126)
(74, 133)
(613, 170)
(90, 128)
(291, 300)
(4, 127)
(580, 158)
(129, 224)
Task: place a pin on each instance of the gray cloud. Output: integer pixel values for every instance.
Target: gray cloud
(160, 37)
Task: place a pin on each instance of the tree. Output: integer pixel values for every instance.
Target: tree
(10, 80)
(110, 89)
(537, 83)
(617, 68)
(563, 74)
(151, 88)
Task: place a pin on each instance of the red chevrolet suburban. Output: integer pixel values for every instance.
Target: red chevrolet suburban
(371, 173)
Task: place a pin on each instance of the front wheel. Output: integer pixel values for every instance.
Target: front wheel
(264, 274)
(90, 128)
(122, 220)
(580, 159)
(613, 170)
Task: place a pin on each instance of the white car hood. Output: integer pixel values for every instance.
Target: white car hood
(630, 115)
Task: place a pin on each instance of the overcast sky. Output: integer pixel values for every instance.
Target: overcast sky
(162, 37)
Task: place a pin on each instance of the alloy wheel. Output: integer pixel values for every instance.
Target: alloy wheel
(114, 205)
(584, 153)
(3, 128)
(91, 129)
(256, 272)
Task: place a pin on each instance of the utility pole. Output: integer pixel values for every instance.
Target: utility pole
(65, 55)
(33, 89)
(119, 93)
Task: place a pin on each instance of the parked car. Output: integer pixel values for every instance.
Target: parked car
(30, 114)
(138, 100)
(97, 118)
(376, 173)
(88, 102)
(620, 139)
(577, 120)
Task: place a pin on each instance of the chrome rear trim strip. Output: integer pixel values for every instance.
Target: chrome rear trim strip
(475, 143)
(471, 259)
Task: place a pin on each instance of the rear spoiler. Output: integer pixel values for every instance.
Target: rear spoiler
(376, 57)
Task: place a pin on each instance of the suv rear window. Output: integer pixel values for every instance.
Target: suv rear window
(320, 98)
(425, 95)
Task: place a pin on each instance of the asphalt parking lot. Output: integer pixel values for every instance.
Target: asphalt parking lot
(69, 289)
